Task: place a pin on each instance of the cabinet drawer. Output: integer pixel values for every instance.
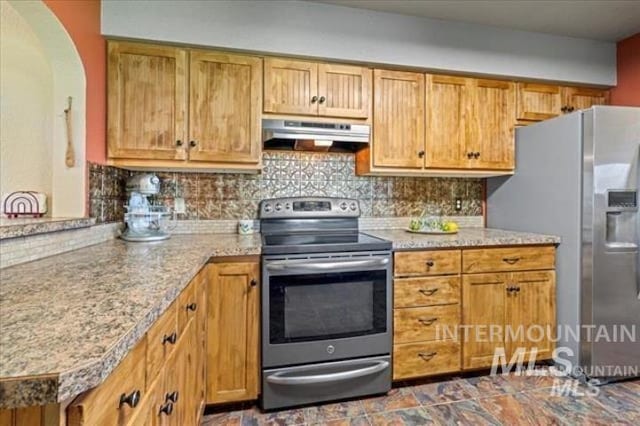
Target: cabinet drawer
(187, 304)
(427, 263)
(508, 259)
(424, 359)
(161, 341)
(413, 292)
(117, 399)
(425, 324)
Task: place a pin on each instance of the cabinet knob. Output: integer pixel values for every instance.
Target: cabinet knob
(253, 283)
(469, 155)
(571, 109)
(171, 338)
(314, 99)
(131, 400)
(192, 307)
(322, 99)
(172, 397)
(421, 154)
(192, 144)
(179, 142)
(166, 409)
(476, 155)
(564, 109)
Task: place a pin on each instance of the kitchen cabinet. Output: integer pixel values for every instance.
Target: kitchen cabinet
(170, 107)
(232, 360)
(510, 307)
(537, 102)
(225, 93)
(426, 313)
(147, 101)
(470, 123)
(448, 102)
(44, 415)
(399, 120)
(310, 88)
(466, 129)
(161, 381)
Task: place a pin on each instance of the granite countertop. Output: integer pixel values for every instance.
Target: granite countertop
(22, 227)
(66, 321)
(466, 237)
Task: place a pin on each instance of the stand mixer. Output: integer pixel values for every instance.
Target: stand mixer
(145, 222)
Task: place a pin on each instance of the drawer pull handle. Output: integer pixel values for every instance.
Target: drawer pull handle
(131, 400)
(511, 260)
(172, 397)
(172, 338)
(166, 409)
(428, 291)
(430, 263)
(428, 321)
(192, 307)
(427, 356)
(513, 288)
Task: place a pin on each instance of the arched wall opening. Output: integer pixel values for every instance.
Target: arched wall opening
(40, 69)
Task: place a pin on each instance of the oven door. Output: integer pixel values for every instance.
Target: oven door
(325, 307)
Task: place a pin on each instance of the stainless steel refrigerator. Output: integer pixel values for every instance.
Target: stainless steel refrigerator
(577, 176)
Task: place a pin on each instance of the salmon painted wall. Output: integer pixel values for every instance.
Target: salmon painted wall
(81, 19)
(627, 92)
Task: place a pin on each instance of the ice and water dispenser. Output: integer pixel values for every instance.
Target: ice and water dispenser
(622, 219)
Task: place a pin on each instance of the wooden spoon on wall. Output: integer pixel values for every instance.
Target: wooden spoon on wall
(69, 157)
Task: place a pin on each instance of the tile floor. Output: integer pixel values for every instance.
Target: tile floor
(482, 400)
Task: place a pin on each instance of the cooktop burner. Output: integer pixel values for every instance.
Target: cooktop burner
(321, 242)
(314, 225)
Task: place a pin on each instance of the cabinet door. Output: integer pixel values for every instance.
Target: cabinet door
(344, 91)
(576, 98)
(490, 137)
(179, 386)
(538, 102)
(147, 101)
(447, 108)
(290, 87)
(232, 332)
(483, 312)
(224, 113)
(531, 314)
(398, 119)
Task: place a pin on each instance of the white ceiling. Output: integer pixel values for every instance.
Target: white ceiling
(607, 20)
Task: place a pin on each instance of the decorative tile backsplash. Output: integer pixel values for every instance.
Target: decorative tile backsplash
(236, 196)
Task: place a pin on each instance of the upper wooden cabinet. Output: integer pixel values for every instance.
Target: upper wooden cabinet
(310, 88)
(399, 118)
(172, 107)
(448, 103)
(147, 101)
(576, 98)
(538, 102)
(224, 109)
(491, 143)
(469, 123)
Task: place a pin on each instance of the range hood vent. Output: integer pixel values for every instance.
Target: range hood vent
(314, 136)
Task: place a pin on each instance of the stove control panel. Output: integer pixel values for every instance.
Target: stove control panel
(308, 207)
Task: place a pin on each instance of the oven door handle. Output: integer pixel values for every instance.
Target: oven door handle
(284, 265)
(280, 378)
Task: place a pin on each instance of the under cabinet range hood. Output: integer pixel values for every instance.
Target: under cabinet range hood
(314, 136)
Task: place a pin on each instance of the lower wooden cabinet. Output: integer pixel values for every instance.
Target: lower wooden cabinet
(161, 381)
(513, 311)
(233, 332)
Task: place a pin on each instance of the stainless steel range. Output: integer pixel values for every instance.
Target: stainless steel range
(326, 303)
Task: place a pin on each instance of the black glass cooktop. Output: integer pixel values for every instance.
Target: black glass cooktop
(321, 242)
